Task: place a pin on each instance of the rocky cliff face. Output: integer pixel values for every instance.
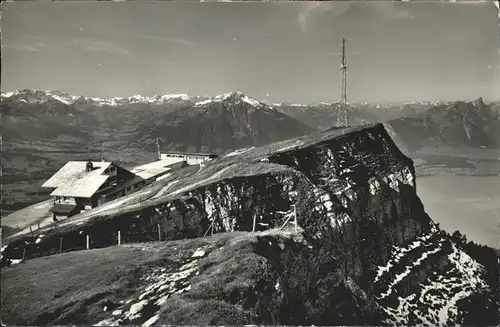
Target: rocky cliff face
(366, 237)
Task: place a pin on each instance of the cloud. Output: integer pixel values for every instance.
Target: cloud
(392, 10)
(309, 11)
(97, 45)
(22, 47)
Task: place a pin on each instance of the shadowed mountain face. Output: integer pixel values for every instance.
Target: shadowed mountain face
(217, 124)
(461, 124)
(43, 130)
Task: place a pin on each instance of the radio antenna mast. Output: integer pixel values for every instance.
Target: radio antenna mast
(342, 119)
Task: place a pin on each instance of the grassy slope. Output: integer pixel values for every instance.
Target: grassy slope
(28, 216)
(36, 293)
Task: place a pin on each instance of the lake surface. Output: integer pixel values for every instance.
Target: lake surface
(470, 204)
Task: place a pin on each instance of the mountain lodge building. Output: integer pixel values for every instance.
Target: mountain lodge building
(80, 186)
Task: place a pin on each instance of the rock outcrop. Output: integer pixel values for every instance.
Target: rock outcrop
(368, 253)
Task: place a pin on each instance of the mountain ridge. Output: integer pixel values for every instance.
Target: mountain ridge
(67, 98)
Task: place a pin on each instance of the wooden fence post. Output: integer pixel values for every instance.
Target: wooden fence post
(31, 230)
(60, 245)
(88, 242)
(119, 238)
(253, 228)
(159, 233)
(295, 214)
(212, 229)
(39, 224)
(206, 233)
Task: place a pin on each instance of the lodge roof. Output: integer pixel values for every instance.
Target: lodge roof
(73, 179)
(155, 168)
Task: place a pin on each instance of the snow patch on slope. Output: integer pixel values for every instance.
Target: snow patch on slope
(294, 145)
(160, 284)
(435, 300)
(251, 101)
(239, 151)
(399, 253)
(409, 269)
(204, 102)
(9, 94)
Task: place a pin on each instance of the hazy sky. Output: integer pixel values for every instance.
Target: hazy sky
(274, 51)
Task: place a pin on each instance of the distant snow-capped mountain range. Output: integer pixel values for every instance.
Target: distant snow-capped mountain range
(32, 96)
(41, 96)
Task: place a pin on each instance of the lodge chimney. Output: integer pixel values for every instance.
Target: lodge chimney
(90, 166)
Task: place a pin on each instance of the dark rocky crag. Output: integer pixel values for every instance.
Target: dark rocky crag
(368, 253)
